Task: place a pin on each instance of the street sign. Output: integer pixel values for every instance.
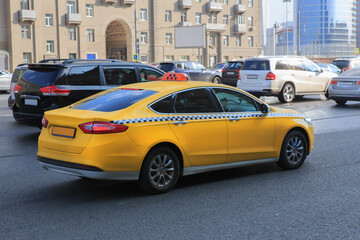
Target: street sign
(135, 57)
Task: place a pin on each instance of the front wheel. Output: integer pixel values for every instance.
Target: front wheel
(287, 93)
(293, 151)
(216, 80)
(160, 171)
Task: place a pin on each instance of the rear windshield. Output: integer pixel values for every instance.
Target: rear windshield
(113, 100)
(42, 77)
(341, 63)
(17, 74)
(256, 65)
(166, 67)
(233, 65)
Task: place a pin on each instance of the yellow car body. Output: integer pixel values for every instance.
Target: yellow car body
(201, 141)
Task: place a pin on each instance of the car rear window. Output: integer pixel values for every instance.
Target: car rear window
(256, 65)
(166, 67)
(17, 74)
(42, 76)
(233, 65)
(113, 100)
(341, 63)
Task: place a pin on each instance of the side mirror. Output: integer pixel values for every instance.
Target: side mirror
(264, 108)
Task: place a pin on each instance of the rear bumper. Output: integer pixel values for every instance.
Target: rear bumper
(230, 82)
(32, 119)
(86, 171)
(11, 103)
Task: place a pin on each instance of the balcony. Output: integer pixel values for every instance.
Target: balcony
(214, 6)
(110, 1)
(27, 15)
(240, 29)
(240, 8)
(185, 4)
(185, 24)
(128, 2)
(215, 27)
(73, 19)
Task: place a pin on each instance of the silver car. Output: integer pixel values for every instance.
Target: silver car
(345, 87)
(5, 79)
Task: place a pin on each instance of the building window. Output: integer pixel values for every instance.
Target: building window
(169, 38)
(24, 4)
(90, 35)
(197, 0)
(169, 58)
(89, 10)
(168, 16)
(183, 16)
(238, 2)
(50, 46)
(225, 2)
(26, 57)
(238, 41)
(214, 17)
(143, 58)
(25, 31)
(70, 7)
(144, 37)
(72, 55)
(250, 21)
(212, 39)
(184, 58)
(251, 41)
(143, 14)
(49, 20)
(72, 33)
(198, 18)
(240, 19)
(226, 40)
(209, 18)
(250, 3)
(226, 19)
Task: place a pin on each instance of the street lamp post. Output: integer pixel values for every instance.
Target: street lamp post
(287, 31)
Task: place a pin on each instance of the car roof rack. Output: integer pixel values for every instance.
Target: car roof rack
(69, 61)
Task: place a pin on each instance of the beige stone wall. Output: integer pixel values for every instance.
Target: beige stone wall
(104, 13)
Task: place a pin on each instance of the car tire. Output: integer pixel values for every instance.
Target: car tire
(160, 171)
(216, 80)
(327, 94)
(341, 102)
(293, 151)
(287, 93)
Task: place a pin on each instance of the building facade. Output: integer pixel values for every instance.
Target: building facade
(325, 27)
(32, 30)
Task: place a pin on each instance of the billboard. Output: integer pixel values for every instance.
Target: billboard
(190, 37)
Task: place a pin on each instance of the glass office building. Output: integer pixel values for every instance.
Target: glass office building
(325, 27)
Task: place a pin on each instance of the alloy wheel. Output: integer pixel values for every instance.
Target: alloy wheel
(161, 170)
(295, 149)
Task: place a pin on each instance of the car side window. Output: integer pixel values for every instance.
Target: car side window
(297, 65)
(87, 75)
(149, 75)
(119, 76)
(198, 66)
(162, 106)
(281, 65)
(179, 65)
(194, 101)
(189, 66)
(232, 101)
(310, 67)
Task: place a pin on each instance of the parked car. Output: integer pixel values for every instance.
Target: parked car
(218, 67)
(199, 127)
(5, 79)
(231, 72)
(193, 71)
(46, 86)
(329, 67)
(345, 87)
(284, 77)
(347, 63)
(18, 72)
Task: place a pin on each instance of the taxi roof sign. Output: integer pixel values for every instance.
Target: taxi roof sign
(174, 77)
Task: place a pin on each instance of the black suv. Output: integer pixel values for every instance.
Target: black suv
(51, 85)
(231, 72)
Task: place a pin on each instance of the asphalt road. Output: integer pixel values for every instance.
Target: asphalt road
(318, 201)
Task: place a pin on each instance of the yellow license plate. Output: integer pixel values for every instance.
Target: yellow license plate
(63, 132)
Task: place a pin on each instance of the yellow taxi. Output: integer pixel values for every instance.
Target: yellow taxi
(155, 132)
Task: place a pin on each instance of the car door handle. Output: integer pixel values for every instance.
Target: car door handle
(234, 119)
(180, 122)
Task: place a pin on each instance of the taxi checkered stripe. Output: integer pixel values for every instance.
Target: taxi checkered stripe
(204, 117)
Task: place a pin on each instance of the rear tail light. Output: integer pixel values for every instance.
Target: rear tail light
(270, 76)
(357, 82)
(238, 72)
(223, 70)
(17, 88)
(54, 91)
(102, 128)
(345, 69)
(44, 122)
(333, 82)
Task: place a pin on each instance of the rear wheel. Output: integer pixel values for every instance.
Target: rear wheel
(160, 171)
(293, 151)
(287, 93)
(216, 80)
(341, 102)
(327, 94)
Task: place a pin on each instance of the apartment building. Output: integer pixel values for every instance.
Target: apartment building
(32, 30)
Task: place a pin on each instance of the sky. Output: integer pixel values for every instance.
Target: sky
(277, 11)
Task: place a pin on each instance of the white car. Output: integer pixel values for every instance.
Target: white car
(5, 79)
(284, 77)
